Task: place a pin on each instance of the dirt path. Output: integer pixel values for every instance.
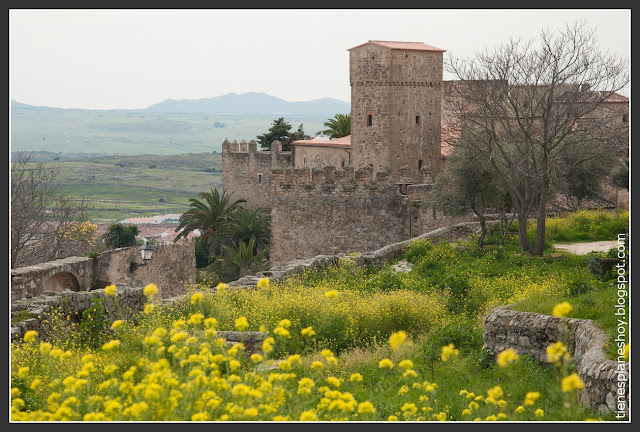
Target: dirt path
(585, 248)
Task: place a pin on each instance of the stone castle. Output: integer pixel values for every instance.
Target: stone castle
(366, 190)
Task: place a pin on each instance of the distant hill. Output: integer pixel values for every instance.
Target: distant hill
(252, 103)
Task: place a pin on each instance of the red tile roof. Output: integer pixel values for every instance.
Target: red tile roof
(412, 46)
(344, 142)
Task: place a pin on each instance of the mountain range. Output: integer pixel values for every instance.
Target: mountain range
(242, 104)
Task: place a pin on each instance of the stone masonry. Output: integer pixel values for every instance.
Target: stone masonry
(531, 333)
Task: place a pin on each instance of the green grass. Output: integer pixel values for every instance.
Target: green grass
(124, 187)
(584, 226)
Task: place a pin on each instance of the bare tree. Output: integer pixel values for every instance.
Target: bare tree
(38, 211)
(523, 105)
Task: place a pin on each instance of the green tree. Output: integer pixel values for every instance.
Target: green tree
(299, 134)
(206, 215)
(338, 126)
(580, 181)
(119, 235)
(242, 226)
(279, 131)
(620, 175)
(527, 104)
(239, 260)
(469, 184)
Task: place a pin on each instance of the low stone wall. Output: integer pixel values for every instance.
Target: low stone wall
(378, 258)
(126, 301)
(531, 333)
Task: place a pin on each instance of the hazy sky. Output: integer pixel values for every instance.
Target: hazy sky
(109, 59)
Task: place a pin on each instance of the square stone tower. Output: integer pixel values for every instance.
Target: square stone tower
(395, 108)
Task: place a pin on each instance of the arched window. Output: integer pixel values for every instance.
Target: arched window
(369, 120)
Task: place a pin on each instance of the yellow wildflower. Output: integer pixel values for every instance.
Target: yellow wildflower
(263, 283)
(210, 322)
(355, 377)
(30, 336)
(366, 408)
(562, 309)
(308, 331)
(333, 381)
(555, 352)
(221, 288)
(397, 339)
(385, 363)
(195, 318)
(491, 418)
(116, 324)
(331, 294)
(202, 416)
(530, 398)
(150, 290)
(539, 413)
(406, 364)
(520, 409)
(308, 416)
(241, 323)
(256, 358)
(507, 357)
(285, 323)
(196, 298)
(392, 418)
(316, 365)
(148, 308)
(111, 344)
(448, 351)
(110, 290)
(571, 382)
(466, 411)
(625, 353)
(495, 392)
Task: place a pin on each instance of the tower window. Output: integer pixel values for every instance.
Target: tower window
(625, 118)
(417, 120)
(419, 165)
(259, 178)
(369, 120)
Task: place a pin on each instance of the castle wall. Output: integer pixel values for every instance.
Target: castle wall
(401, 91)
(317, 156)
(334, 210)
(246, 172)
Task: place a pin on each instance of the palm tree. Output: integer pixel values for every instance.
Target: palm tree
(119, 236)
(339, 126)
(239, 260)
(244, 225)
(206, 215)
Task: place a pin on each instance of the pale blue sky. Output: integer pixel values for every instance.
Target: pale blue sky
(109, 59)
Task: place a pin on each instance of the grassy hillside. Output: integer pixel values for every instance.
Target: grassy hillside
(130, 132)
(142, 185)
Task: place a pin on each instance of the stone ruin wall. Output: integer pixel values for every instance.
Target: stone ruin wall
(170, 267)
(531, 333)
(246, 172)
(330, 210)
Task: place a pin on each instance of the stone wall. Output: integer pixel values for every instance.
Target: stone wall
(318, 156)
(246, 172)
(170, 267)
(73, 273)
(332, 210)
(531, 333)
(127, 300)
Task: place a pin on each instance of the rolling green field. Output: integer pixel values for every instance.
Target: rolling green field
(142, 185)
(134, 132)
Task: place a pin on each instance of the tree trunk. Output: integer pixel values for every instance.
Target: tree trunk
(523, 239)
(541, 217)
